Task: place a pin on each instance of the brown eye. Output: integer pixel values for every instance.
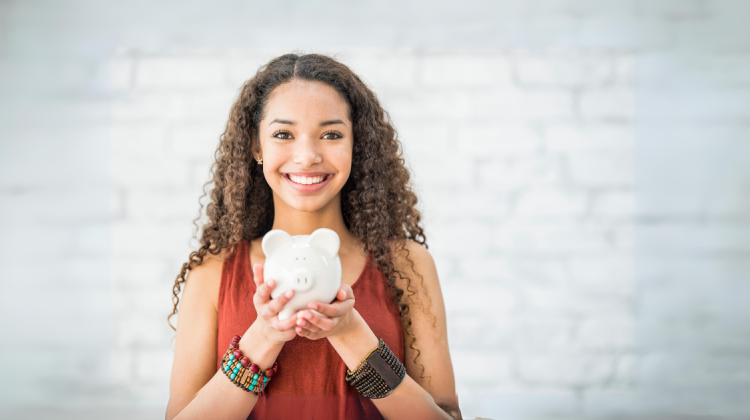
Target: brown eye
(282, 133)
(333, 133)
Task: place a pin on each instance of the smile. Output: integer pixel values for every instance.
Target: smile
(307, 180)
(308, 183)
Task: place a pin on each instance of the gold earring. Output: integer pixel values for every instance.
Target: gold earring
(260, 161)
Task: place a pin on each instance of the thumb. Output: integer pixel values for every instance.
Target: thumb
(345, 292)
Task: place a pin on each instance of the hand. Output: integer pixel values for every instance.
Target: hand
(267, 323)
(339, 313)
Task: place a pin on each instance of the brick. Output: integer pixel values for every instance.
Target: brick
(474, 238)
(154, 366)
(498, 140)
(211, 107)
(552, 239)
(551, 203)
(494, 302)
(149, 171)
(59, 205)
(430, 169)
(691, 239)
(121, 73)
(442, 205)
(138, 139)
(463, 70)
(428, 106)
(607, 335)
(517, 104)
(602, 169)
(150, 239)
(168, 204)
(614, 206)
(189, 72)
(424, 137)
(519, 174)
(590, 137)
(148, 107)
(676, 9)
(625, 69)
(382, 69)
(496, 371)
(141, 274)
(564, 68)
(121, 365)
(135, 329)
(566, 370)
(607, 275)
(91, 240)
(487, 330)
(199, 141)
(242, 64)
(608, 103)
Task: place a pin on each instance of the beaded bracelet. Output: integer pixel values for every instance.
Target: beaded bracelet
(378, 374)
(248, 378)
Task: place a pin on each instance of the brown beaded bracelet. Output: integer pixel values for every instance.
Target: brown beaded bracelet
(378, 374)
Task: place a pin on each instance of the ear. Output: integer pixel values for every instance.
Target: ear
(273, 240)
(325, 240)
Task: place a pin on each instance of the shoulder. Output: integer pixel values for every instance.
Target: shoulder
(204, 281)
(416, 268)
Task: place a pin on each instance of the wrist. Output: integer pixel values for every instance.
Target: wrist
(354, 342)
(258, 348)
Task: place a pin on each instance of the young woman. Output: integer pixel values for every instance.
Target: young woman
(308, 146)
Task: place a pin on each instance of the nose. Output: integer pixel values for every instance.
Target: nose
(303, 279)
(306, 152)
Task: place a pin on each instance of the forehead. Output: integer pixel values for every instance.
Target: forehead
(306, 100)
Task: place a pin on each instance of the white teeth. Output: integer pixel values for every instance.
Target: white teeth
(306, 180)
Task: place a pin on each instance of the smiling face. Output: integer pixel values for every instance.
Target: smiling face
(306, 142)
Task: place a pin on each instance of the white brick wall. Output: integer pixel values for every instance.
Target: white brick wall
(611, 215)
(519, 187)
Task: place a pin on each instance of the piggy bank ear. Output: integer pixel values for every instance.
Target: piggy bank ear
(326, 240)
(274, 240)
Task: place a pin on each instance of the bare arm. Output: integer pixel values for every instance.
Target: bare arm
(433, 396)
(197, 390)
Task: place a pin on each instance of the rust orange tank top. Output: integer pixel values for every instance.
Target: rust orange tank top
(310, 382)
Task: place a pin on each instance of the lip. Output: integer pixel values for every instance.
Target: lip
(307, 187)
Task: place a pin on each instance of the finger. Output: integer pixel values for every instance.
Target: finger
(332, 309)
(306, 333)
(310, 319)
(258, 275)
(263, 294)
(276, 305)
(284, 325)
(348, 293)
(305, 324)
(303, 332)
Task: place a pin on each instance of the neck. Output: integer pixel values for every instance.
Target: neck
(296, 222)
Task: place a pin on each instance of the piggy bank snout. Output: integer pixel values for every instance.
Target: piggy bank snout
(302, 279)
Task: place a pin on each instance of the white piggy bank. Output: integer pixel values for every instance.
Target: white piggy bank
(307, 264)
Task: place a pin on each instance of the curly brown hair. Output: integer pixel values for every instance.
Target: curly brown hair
(377, 202)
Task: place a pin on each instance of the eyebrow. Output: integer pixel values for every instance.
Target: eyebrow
(323, 124)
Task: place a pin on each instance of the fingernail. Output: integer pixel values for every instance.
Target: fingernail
(306, 315)
(289, 293)
(313, 306)
(271, 283)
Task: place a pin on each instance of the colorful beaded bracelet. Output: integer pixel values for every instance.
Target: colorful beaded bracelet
(249, 378)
